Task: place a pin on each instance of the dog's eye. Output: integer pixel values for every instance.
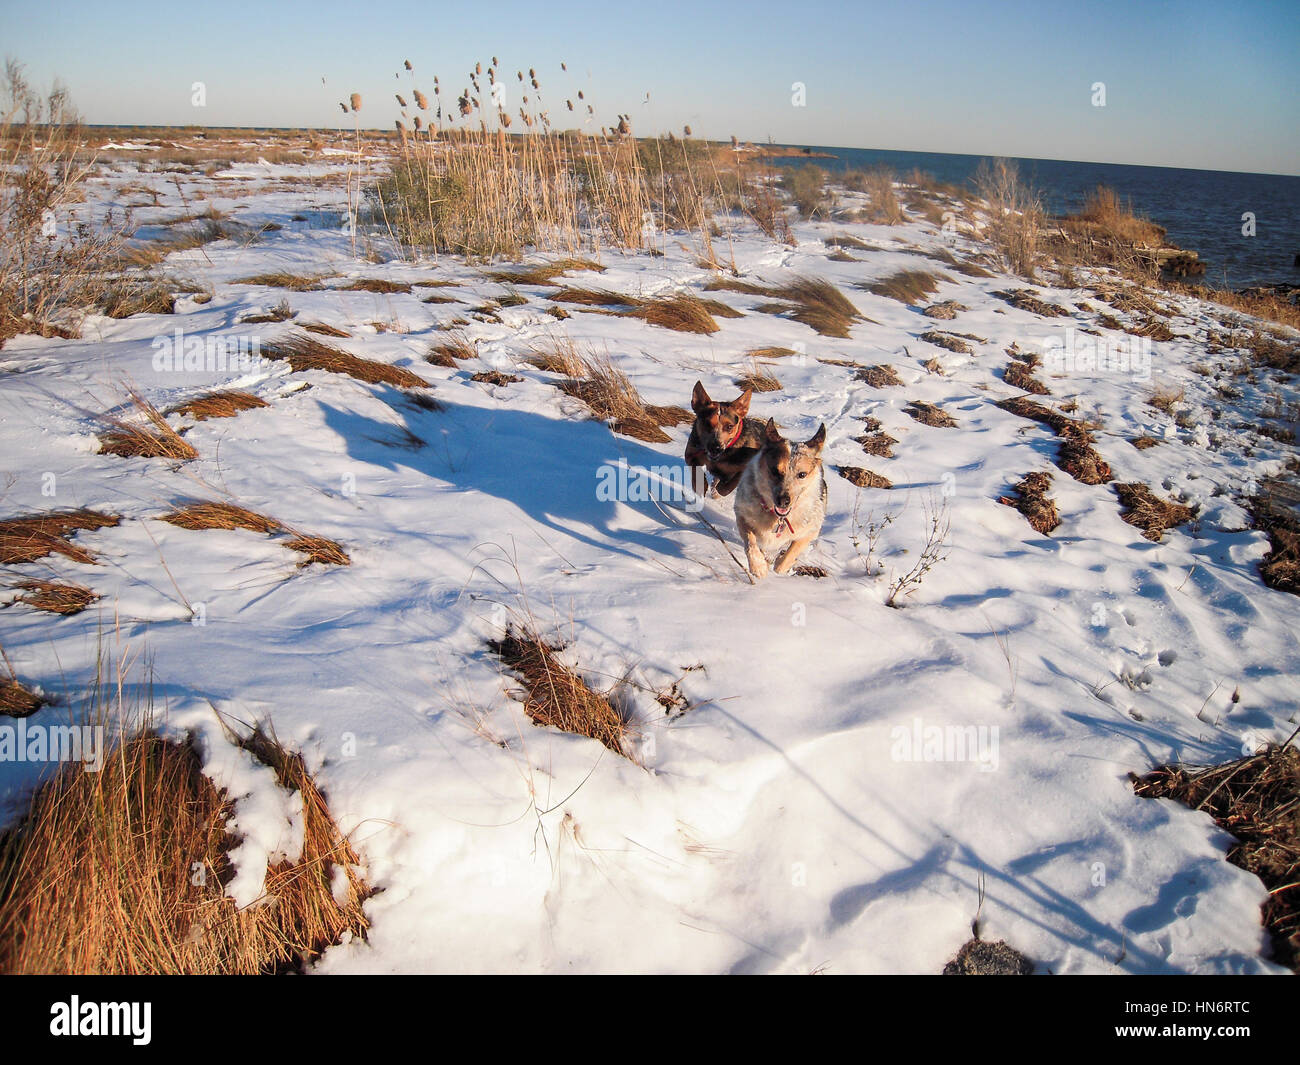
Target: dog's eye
(802, 476)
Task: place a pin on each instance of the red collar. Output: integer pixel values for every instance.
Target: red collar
(740, 428)
(781, 519)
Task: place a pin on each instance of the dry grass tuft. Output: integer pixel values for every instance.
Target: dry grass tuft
(945, 311)
(209, 515)
(284, 279)
(319, 549)
(1019, 374)
(17, 701)
(555, 694)
(138, 297)
(611, 396)
(304, 353)
(1032, 501)
(1149, 512)
(912, 287)
(1080, 460)
(56, 597)
(880, 376)
(495, 377)
(375, 284)
(947, 341)
(1144, 442)
(877, 443)
(122, 872)
(1254, 798)
(759, 379)
(457, 346)
(813, 301)
(929, 414)
(1026, 299)
(35, 536)
(1281, 566)
(683, 312)
(543, 273)
(154, 440)
(222, 404)
(323, 330)
(770, 353)
(1165, 399)
(559, 355)
(863, 478)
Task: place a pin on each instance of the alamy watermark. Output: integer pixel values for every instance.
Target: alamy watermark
(621, 483)
(53, 743)
(945, 743)
(1080, 352)
(219, 353)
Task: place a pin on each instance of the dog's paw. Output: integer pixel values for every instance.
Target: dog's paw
(757, 567)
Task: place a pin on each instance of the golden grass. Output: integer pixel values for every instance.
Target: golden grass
(945, 311)
(1165, 398)
(929, 414)
(1021, 375)
(375, 284)
(155, 439)
(319, 549)
(457, 346)
(1027, 300)
(212, 515)
(907, 286)
(611, 396)
(863, 478)
(305, 353)
(56, 597)
(221, 404)
(881, 376)
(321, 329)
(558, 355)
(17, 701)
(35, 536)
(758, 379)
(556, 696)
(1150, 513)
(127, 298)
(1253, 798)
(1144, 442)
(121, 872)
(495, 377)
(813, 301)
(284, 279)
(947, 341)
(879, 444)
(682, 311)
(1280, 568)
(542, 274)
(1032, 501)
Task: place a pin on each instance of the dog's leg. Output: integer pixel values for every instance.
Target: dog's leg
(699, 482)
(726, 485)
(753, 553)
(792, 551)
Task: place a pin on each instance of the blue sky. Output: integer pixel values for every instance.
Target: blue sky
(1187, 84)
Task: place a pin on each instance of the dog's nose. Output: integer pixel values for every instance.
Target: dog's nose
(783, 500)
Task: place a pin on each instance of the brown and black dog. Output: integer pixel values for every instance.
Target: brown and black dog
(723, 440)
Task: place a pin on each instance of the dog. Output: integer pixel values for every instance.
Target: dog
(723, 440)
(781, 502)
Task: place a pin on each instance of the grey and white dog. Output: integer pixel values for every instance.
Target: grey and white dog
(781, 500)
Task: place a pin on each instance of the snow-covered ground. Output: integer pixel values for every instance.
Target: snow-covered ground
(793, 812)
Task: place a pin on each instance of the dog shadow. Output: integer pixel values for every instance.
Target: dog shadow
(550, 468)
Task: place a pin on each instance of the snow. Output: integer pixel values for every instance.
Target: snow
(794, 817)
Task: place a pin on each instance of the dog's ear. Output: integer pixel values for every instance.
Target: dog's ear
(741, 405)
(699, 398)
(773, 433)
(818, 440)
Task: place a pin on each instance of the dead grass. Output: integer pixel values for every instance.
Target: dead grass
(1020, 375)
(1032, 501)
(375, 284)
(543, 273)
(457, 347)
(305, 353)
(929, 414)
(56, 597)
(495, 377)
(558, 355)
(1148, 512)
(324, 330)
(945, 311)
(1255, 799)
(17, 701)
(127, 298)
(284, 279)
(155, 439)
(1280, 568)
(1076, 455)
(813, 301)
(758, 379)
(611, 396)
(210, 515)
(555, 695)
(863, 478)
(947, 341)
(880, 376)
(877, 443)
(221, 404)
(681, 311)
(1144, 442)
(770, 353)
(1081, 461)
(1026, 299)
(319, 549)
(122, 872)
(912, 287)
(36, 536)
(1165, 398)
